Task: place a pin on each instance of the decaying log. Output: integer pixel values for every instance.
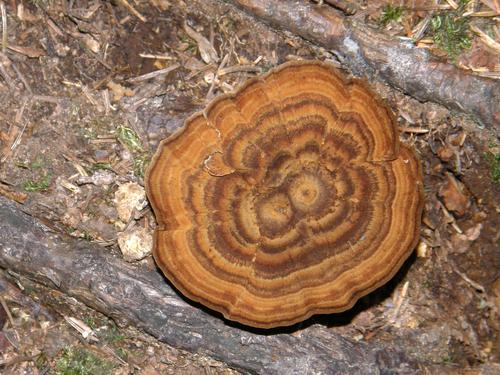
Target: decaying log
(133, 295)
(370, 53)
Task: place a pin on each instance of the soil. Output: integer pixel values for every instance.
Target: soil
(76, 123)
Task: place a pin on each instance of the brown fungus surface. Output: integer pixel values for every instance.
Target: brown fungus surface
(288, 198)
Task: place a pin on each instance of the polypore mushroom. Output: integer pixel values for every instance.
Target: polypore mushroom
(288, 198)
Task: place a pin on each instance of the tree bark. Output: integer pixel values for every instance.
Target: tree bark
(143, 298)
(370, 53)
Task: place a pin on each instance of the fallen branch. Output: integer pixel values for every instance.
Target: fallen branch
(370, 53)
(134, 295)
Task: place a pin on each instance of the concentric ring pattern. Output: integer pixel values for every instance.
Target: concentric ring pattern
(288, 198)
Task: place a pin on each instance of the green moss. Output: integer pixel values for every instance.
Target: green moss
(86, 236)
(90, 321)
(37, 185)
(140, 164)
(111, 335)
(122, 353)
(41, 361)
(192, 47)
(227, 24)
(493, 160)
(450, 31)
(390, 13)
(447, 360)
(101, 166)
(129, 138)
(79, 361)
(39, 163)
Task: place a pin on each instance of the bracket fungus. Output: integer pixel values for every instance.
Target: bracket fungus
(288, 198)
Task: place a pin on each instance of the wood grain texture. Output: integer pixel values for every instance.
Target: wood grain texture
(369, 53)
(290, 197)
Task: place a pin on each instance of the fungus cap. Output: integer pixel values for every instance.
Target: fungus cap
(288, 198)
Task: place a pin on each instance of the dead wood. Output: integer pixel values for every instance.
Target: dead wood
(140, 297)
(370, 53)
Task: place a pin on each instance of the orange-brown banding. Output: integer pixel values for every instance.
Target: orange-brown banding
(290, 197)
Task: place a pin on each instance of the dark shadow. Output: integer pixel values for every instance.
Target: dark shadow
(368, 301)
(328, 320)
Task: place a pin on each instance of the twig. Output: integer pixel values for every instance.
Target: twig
(418, 31)
(199, 71)
(207, 50)
(4, 26)
(343, 5)
(154, 74)
(107, 102)
(156, 57)
(54, 27)
(20, 111)
(5, 61)
(399, 302)
(22, 78)
(458, 162)
(132, 10)
(452, 3)
(429, 8)
(239, 68)
(487, 74)
(472, 283)
(107, 350)
(215, 80)
(7, 310)
(74, 161)
(9, 315)
(88, 95)
(486, 39)
(450, 218)
(415, 130)
(82, 328)
(19, 117)
(486, 13)
(27, 51)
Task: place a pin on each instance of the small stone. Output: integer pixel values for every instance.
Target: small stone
(433, 215)
(119, 91)
(422, 250)
(101, 156)
(135, 244)
(99, 178)
(454, 196)
(457, 140)
(473, 233)
(445, 153)
(129, 197)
